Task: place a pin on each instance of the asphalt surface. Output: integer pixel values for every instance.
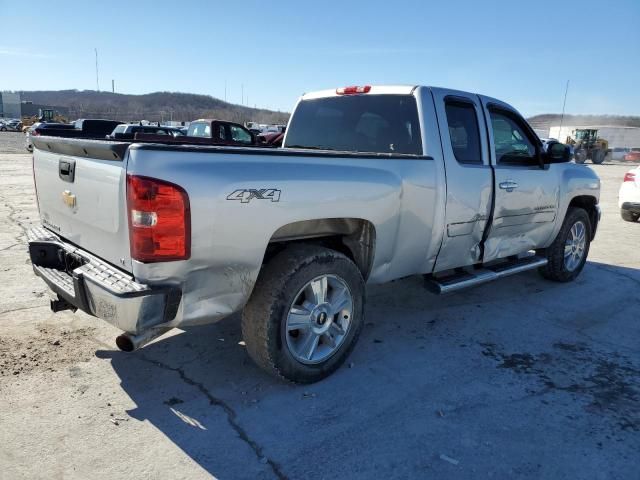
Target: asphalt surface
(522, 378)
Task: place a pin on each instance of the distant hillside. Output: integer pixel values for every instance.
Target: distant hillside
(546, 120)
(155, 106)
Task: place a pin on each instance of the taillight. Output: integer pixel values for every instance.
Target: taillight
(353, 90)
(159, 220)
(629, 177)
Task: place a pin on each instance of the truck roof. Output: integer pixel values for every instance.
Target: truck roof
(374, 89)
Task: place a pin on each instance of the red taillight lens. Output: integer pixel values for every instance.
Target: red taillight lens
(159, 220)
(629, 177)
(353, 90)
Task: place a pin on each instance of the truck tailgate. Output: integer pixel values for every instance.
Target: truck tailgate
(81, 190)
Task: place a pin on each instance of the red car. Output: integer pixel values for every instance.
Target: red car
(632, 156)
(271, 139)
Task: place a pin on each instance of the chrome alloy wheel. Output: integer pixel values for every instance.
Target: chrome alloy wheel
(319, 319)
(575, 245)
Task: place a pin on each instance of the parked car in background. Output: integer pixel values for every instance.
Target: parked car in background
(632, 156)
(221, 132)
(42, 128)
(28, 144)
(629, 196)
(271, 139)
(128, 131)
(10, 125)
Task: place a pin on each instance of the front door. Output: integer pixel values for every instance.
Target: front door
(526, 195)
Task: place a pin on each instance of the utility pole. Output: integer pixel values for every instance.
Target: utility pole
(242, 95)
(113, 86)
(97, 80)
(564, 103)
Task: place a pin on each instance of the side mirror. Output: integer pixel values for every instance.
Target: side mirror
(558, 152)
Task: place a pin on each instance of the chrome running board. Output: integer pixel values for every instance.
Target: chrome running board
(465, 279)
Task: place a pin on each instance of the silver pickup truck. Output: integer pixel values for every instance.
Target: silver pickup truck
(372, 184)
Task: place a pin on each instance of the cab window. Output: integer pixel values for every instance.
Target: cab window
(464, 132)
(511, 141)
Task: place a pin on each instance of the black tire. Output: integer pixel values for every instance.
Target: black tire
(598, 157)
(627, 216)
(555, 268)
(264, 316)
(580, 156)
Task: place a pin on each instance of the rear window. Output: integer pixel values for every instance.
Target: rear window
(199, 130)
(359, 123)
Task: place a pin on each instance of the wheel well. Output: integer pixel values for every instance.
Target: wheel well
(353, 237)
(587, 203)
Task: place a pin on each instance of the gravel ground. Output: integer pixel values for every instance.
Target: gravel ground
(521, 378)
(12, 142)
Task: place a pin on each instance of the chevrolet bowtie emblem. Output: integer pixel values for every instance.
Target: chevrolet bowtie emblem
(69, 198)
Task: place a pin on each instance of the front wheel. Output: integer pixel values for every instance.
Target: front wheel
(598, 157)
(305, 314)
(567, 254)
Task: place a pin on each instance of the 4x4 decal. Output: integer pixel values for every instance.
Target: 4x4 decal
(247, 194)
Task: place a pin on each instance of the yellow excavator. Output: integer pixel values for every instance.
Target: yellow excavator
(587, 145)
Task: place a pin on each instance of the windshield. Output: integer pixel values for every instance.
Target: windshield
(359, 123)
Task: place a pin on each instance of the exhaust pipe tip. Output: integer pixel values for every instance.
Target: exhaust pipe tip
(129, 343)
(124, 343)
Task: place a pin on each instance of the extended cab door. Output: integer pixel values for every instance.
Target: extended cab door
(469, 178)
(526, 195)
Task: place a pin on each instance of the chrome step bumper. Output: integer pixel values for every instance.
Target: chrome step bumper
(97, 287)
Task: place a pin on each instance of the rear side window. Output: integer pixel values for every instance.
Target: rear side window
(464, 132)
(359, 123)
(240, 135)
(222, 132)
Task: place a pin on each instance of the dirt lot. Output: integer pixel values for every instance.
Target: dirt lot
(12, 142)
(522, 378)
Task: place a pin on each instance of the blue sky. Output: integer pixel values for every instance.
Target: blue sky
(520, 52)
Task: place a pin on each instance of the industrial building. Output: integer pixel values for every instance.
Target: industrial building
(10, 105)
(618, 137)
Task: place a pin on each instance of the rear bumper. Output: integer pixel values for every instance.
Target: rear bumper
(98, 288)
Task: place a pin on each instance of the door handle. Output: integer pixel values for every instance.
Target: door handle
(509, 185)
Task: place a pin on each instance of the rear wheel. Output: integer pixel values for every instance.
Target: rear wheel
(580, 156)
(567, 254)
(305, 314)
(627, 216)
